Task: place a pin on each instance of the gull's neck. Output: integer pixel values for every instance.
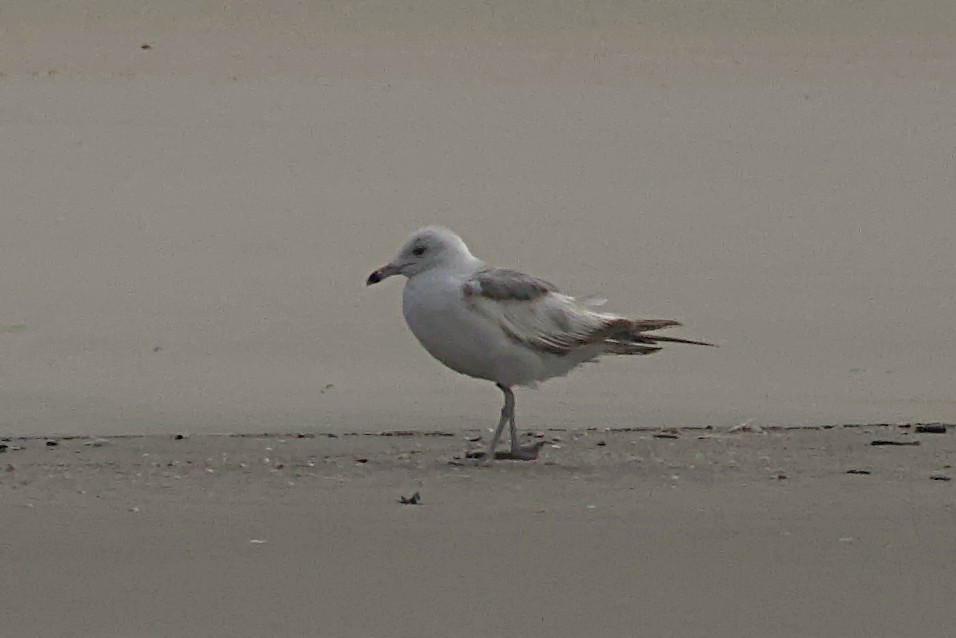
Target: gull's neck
(464, 262)
(461, 264)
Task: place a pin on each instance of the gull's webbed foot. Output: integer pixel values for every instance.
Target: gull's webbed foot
(519, 453)
(516, 453)
(477, 459)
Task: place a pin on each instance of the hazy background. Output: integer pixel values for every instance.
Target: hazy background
(185, 230)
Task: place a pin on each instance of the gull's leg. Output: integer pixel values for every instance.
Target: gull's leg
(517, 453)
(529, 453)
(507, 414)
(515, 444)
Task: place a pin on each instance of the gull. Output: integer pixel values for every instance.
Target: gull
(505, 326)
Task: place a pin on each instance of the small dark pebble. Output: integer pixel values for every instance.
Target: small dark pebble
(51, 444)
(409, 433)
(179, 437)
(939, 476)
(858, 472)
(932, 428)
(3, 447)
(146, 47)
(884, 442)
(410, 500)
(305, 435)
(505, 455)
(157, 349)
(665, 436)
(601, 443)
(361, 460)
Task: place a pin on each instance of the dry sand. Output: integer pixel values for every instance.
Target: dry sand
(708, 534)
(192, 194)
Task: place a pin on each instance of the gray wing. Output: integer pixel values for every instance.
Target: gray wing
(532, 312)
(501, 284)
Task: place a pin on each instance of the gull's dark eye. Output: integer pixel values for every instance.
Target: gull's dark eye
(418, 252)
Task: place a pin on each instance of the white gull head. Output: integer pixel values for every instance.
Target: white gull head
(429, 247)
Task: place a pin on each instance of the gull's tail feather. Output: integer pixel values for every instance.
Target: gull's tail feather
(630, 336)
(659, 338)
(644, 325)
(623, 347)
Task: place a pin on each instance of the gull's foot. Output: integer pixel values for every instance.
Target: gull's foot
(473, 459)
(518, 453)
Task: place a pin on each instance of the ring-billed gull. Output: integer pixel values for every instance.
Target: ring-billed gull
(503, 325)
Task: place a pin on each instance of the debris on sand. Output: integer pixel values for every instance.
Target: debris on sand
(52, 443)
(931, 428)
(858, 472)
(747, 426)
(414, 499)
(663, 435)
(409, 433)
(897, 443)
(939, 476)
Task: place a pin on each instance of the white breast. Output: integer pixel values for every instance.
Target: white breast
(436, 314)
(466, 341)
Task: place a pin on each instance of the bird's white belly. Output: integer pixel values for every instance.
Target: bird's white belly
(464, 340)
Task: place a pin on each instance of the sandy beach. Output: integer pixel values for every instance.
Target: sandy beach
(702, 533)
(192, 194)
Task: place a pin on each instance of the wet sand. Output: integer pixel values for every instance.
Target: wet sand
(187, 227)
(710, 533)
